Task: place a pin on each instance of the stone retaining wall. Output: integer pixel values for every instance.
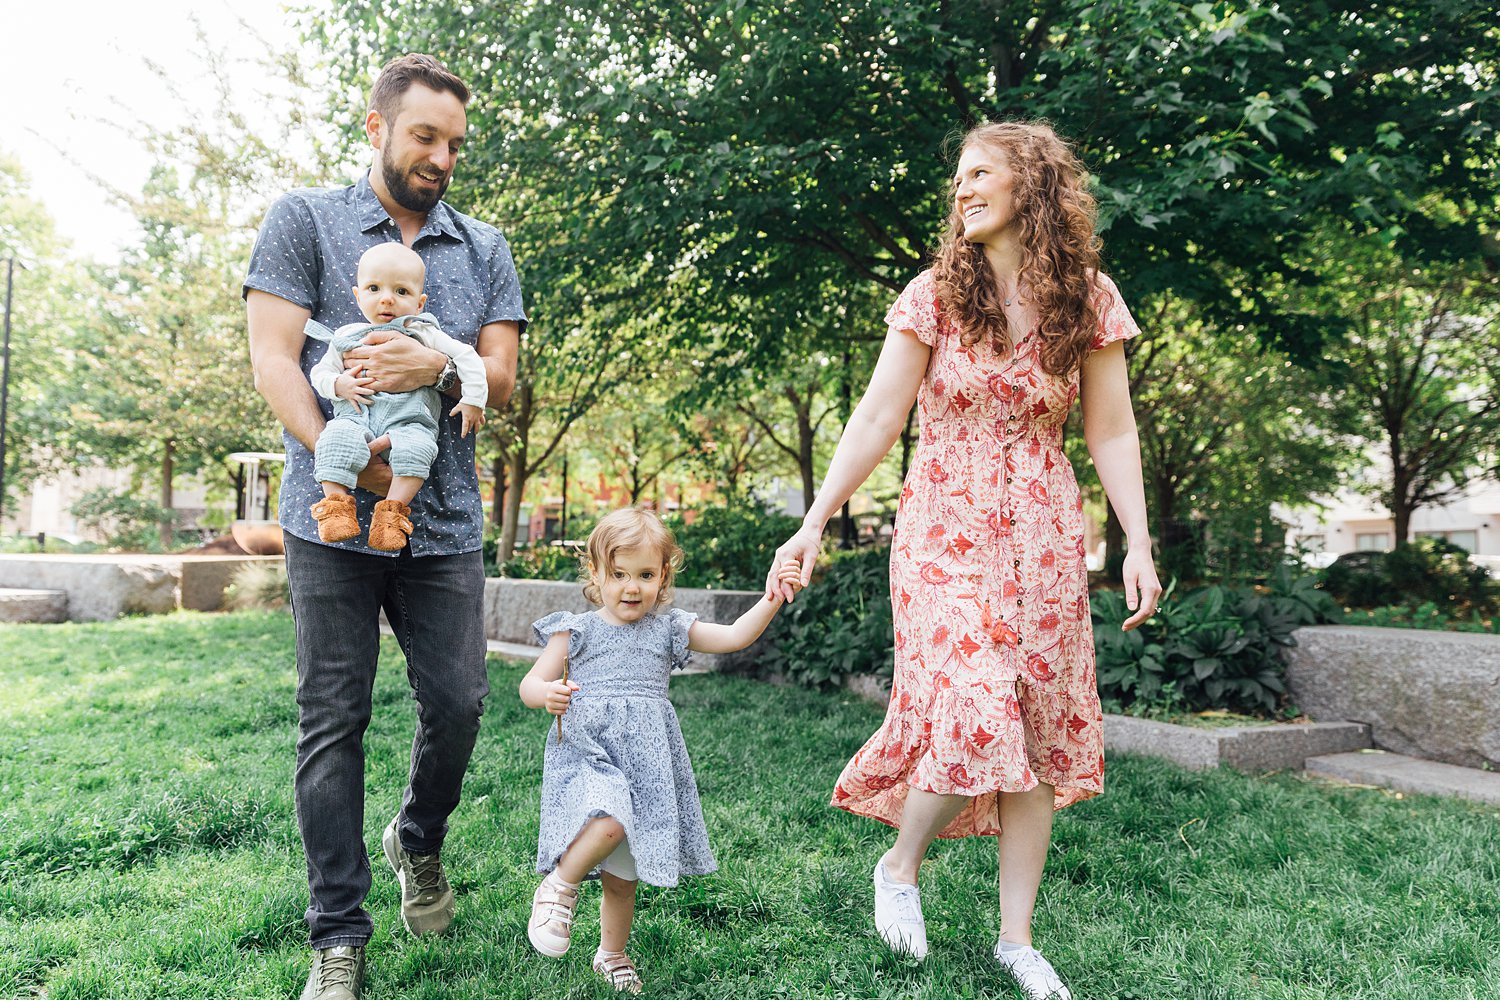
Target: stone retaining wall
(1423, 693)
(510, 606)
(104, 587)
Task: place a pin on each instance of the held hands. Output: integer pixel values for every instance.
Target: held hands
(394, 362)
(789, 576)
(559, 696)
(473, 417)
(800, 551)
(355, 389)
(1142, 589)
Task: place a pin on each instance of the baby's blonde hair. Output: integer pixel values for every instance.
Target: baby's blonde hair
(630, 528)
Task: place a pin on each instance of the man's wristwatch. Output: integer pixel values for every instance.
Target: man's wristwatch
(447, 376)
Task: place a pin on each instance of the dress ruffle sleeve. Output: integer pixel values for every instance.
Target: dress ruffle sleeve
(561, 621)
(682, 624)
(1115, 321)
(916, 309)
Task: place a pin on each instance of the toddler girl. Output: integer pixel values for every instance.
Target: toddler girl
(618, 796)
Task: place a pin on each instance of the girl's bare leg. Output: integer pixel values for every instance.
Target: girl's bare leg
(616, 912)
(600, 836)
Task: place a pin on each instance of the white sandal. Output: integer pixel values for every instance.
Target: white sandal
(552, 906)
(619, 970)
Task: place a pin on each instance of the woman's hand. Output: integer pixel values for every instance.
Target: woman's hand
(1142, 589)
(559, 696)
(804, 548)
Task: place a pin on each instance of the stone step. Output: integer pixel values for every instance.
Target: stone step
(21, 605)
(1246, 748)
(1410, 775)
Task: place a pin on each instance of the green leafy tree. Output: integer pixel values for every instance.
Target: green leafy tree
(754, 147)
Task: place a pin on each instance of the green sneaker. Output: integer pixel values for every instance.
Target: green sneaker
(337, 974)
(426, 896)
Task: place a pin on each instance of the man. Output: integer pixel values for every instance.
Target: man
(303, 266)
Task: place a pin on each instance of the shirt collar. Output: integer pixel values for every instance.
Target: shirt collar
(372, 213)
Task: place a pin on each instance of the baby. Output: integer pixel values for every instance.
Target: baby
(390, 295)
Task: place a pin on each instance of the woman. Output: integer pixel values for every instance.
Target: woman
(994, 718)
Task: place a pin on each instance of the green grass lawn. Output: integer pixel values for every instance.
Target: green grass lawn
(148, 850)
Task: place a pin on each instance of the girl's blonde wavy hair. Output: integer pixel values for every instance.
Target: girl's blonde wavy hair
(630, 528)
(1054, 219)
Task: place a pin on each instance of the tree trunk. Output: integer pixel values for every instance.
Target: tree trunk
(906, 439)
(165, 525)
(515, 481)
(805, 452)
(497, 507)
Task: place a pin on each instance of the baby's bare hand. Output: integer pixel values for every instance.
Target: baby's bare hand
(559, 696)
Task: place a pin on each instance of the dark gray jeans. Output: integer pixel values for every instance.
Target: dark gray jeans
(435, 604)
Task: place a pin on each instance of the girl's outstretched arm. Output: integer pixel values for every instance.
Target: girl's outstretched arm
(706, 637)
(543, 686)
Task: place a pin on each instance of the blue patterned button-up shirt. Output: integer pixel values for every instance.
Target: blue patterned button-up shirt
(308, 253)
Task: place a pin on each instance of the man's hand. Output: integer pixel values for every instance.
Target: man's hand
(377, 474)
(356, 390)
(473, 417)
(394, 362)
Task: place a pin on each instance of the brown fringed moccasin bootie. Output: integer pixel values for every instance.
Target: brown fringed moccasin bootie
(336, 517)
(391, 526)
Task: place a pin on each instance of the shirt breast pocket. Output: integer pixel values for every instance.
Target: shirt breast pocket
(457, 308)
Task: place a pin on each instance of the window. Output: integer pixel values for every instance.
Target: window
(1466, 540)
(1372, 542)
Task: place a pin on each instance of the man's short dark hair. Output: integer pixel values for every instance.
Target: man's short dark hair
(397, 76)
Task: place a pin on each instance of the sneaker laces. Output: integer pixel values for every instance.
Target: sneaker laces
(908, 901)
(426, 873)
(1032, 970)
(338, 969)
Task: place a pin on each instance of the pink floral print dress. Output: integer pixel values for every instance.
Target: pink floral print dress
(994, 684)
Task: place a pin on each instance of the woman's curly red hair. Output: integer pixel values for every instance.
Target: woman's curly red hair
(1054, 221)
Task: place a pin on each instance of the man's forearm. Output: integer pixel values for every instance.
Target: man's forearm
(280, 382)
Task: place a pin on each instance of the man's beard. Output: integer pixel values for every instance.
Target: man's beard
(410, 198)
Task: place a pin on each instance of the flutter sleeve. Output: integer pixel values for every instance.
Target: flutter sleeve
(561, 621)
(682, 623)
(916, 309)
(1115, 321)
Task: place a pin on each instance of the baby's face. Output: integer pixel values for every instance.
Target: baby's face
(390, 288)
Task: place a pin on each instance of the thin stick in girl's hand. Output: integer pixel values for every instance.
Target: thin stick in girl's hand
(559, 718)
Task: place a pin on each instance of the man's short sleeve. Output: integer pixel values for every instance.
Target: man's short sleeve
(286, 261)
(504, 302)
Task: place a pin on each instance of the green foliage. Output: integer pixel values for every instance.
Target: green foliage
(1215, 647)
(1426, 615)
(841, 625)
(729, 548)
(259, 586)
(1428, 570)
(130, 521)
(542, 561)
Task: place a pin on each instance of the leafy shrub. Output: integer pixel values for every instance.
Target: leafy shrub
(1215, 647)
(1427, 570)
(1357, 579)
(840, 626)
(261, 585)
(729, 548)
(542, 562)
(129, 521)
(1425, 615)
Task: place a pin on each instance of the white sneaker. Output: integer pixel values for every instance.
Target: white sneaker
(898, 915)
(1034, 974)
